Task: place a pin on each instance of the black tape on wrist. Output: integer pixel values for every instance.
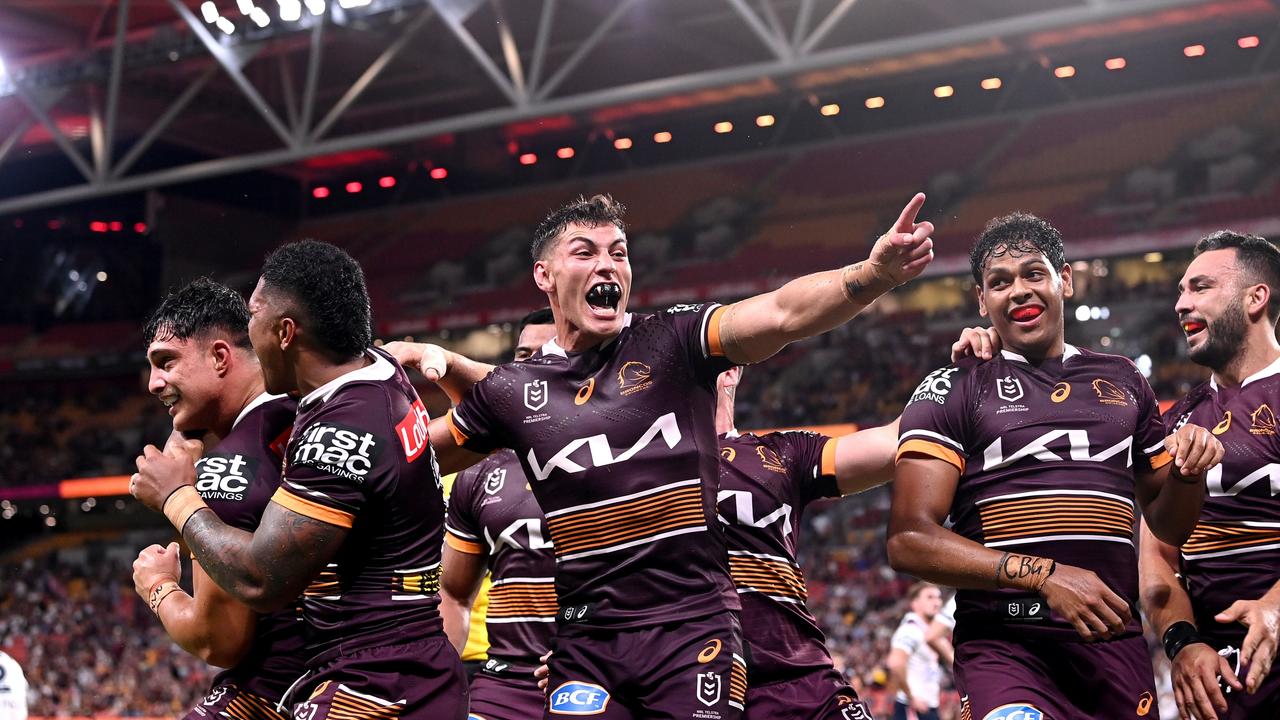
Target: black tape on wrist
(1178, 636)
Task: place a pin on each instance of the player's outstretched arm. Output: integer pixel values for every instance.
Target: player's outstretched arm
(208, 623)
(864, 459)
(461, 576)
(1172, 495)
(918, 544)
(1196, 665)
(756, 328)
(450, 454)
(451, 372)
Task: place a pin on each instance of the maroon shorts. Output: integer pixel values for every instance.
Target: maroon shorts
(1241, 705)
(420, 680)
(229, 701)
(1046, 680)
(690, 670)
(817, 695)
(498, 697)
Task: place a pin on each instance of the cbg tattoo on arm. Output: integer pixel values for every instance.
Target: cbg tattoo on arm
(1025, 572)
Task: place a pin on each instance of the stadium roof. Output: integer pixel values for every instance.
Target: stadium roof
(99, 98)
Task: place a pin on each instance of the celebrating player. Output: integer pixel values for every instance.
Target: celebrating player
(1016, 482)
(358, 519)
(766, 482)
(495, 524)
(1229, 608)
(614, 426)
(204, 370)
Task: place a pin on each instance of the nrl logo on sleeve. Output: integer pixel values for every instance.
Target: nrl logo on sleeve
(685, 308)
(708, 688)
(494, 481)
(535, 394)
(339, 449)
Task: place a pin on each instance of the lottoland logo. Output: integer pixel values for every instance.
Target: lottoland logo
(339, 449)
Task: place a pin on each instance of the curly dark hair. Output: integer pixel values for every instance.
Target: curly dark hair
(1020, 232)
(329, 287)
(196, 309)
(1259, 258)
(593, 212)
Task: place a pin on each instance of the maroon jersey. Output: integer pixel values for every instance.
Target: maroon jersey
(765, 483)
(359, 458)
(619, 444)
(236, 480)
(1234, 552)
(1047, 456)
(493, 512)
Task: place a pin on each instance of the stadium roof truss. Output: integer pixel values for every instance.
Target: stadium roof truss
(405, 70)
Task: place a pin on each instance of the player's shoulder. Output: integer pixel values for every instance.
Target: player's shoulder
(363, 395)
(944, 383)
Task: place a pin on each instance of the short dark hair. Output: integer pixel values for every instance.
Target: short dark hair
(1019, 231)
(329, 288)
(593, 212)
(541, 316)
(1256, 255)
(201, 306)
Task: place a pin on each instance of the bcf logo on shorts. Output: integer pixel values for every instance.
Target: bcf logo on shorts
(1014, 712)
(579, 698)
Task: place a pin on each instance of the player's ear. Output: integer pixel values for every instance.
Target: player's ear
(542, 276)
(287, 333)
(1068, 289)
(982, 303)
(1256, 298)
(220, 353)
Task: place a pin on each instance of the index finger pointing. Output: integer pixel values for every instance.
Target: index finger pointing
(907, 220)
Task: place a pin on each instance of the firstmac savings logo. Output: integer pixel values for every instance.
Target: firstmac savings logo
(634, 377)
(224, 478)
(535, 394)
(494, 481)
(339, 449)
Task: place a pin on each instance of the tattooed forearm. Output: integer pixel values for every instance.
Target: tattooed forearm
(268, 568)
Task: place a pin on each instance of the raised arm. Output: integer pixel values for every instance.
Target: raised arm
(758, 327)
(919, 544)
(864, 459)
(208, 623)
(452, 372)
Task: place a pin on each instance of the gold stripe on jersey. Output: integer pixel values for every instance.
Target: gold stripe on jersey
(1213, 539)
(325, 585)
(932, 449)
(348, 706)
(602, 527)
(738, 682)
(311, 509)
(424, 582)
(463, 545)
(459, 437)
(828, 464)
(1064, 516)
(247, 706)
(772, 576)
(520, 598)
(715, 344)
